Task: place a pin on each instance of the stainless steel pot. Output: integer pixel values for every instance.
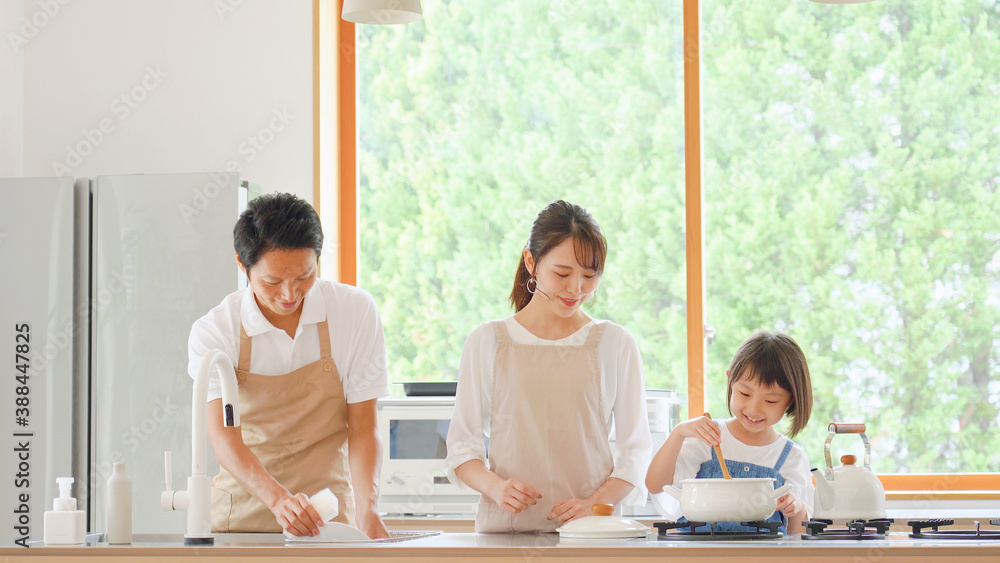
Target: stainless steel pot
(727, 500)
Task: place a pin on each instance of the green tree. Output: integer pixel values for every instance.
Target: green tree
(851, 192)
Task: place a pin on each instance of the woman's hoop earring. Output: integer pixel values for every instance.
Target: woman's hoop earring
(527, 284)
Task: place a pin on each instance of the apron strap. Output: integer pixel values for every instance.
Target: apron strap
(244, 363)
(784, 455)
(324, 339)
(500, 328)
(596, 332)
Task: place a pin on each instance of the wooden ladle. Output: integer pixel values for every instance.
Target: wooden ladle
(718, 454)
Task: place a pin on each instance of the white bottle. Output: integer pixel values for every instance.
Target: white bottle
(119, 506)
(64, 524)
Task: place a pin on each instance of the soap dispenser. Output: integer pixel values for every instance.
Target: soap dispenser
(64, 524)
(119, 506)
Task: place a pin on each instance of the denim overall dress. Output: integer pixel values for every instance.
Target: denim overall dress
(743, 470)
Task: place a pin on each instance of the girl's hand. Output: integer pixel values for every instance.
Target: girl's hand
(702, 428)
(792, 506)
(795, 510)
(513, 495)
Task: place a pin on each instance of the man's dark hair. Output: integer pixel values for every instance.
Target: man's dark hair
(271, 221)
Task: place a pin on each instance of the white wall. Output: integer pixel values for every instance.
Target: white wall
(160, 86)
(11, 91)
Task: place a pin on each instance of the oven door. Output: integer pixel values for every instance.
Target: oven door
(413, 432)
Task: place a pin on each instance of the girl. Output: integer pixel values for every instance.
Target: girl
(768, 379)
(544, 386)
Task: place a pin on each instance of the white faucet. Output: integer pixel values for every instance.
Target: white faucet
(197, 499)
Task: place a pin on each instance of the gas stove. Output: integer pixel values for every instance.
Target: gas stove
(819, 529)
(932, 529)
(687, 531)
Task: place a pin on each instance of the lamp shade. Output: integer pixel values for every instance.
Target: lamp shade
(382, 12)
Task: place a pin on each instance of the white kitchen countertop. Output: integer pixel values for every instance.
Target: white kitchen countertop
(519, 547)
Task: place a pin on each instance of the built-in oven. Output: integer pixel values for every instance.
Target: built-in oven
(413, 432)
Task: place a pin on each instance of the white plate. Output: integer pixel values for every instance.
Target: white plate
(353, 537)
(332, 532)
(603, 527)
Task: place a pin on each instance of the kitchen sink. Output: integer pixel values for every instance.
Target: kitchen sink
(269, 539)
(220, 539)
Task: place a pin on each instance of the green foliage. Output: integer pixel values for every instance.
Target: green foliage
(851, 174)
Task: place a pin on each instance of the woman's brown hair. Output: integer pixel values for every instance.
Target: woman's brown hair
(559, 221)
(773, 358)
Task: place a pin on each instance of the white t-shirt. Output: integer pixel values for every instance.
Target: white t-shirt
(357, 343)
(694, 452)
(623, 393)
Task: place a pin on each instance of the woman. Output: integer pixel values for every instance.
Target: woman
(545, 386)
(310, 361)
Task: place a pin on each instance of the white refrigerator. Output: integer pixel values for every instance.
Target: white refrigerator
(129, 262)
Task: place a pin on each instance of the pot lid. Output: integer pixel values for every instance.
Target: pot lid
(603, 527)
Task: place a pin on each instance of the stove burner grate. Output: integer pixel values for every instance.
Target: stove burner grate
(687, 531)
(855, 530)
(920, 530)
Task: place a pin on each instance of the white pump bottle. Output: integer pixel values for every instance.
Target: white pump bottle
(64, 524)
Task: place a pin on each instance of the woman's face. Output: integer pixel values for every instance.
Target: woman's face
(281, 279)
(562, 282)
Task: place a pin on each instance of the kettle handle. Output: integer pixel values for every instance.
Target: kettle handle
(846, 428)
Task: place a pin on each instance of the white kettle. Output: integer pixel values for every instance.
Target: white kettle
(848, 492)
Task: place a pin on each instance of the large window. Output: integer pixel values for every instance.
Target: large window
(851, 175)
(852, 164)
(473, 120)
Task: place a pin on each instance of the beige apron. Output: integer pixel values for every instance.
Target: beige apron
(296, 424)
(547, 428)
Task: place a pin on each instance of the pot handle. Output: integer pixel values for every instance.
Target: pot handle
(781, 491)
(674, 491)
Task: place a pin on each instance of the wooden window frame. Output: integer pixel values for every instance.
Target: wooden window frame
(338, 150)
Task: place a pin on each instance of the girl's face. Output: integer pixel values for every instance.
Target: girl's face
(281, 279)
(563, 284)
(756, 407)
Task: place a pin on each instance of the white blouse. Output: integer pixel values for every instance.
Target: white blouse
(623, 391)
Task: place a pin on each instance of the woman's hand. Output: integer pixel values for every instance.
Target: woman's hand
(611, 492)
(296, 516)
(702, 428)
(569, 510)
(513, 495)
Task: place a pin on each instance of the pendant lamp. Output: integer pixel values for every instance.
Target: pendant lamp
(382, 12)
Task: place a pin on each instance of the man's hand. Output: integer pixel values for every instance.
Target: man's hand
(371, 524)
(296, 516)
